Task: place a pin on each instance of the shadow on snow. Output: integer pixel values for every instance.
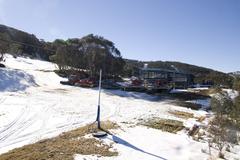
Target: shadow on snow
(123, 142)
(13, 80)
(134, 95)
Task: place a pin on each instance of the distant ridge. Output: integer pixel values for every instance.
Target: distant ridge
(235, 74)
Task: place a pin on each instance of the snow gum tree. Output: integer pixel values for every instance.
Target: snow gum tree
(222, 106)
(89, 53)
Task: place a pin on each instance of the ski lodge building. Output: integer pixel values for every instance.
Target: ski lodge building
(163, 79)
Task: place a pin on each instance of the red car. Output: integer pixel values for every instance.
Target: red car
(87, 82)
(136, 82)
(72, 79)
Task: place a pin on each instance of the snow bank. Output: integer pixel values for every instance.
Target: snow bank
(12, 80)
(151, 144)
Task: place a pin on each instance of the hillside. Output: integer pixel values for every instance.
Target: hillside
(19, 42)
(235, 74)
(22, 43)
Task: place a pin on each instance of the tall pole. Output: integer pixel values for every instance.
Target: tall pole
(99, 96)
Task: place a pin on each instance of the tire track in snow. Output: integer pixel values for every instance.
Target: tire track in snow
(17, 125)
(21, 124)
(2, 100)
(11, 124)
(12, 136)
(75, 122)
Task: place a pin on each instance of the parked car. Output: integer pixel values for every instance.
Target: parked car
(133, 85)
(110, 84)
(136, 82)
(87, 82)
(72, 79)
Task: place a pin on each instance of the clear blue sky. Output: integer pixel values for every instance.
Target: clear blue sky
(200, 32)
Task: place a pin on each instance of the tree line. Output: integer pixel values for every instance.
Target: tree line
(90, 54)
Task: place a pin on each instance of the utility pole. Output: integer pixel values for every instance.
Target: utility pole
(102, 133)
(99, 98)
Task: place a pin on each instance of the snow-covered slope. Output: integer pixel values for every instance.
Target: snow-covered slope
(15, 80)
(34, 105)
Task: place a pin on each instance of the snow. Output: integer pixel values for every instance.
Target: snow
(34, 106)
(146, 143)
(198, 88)
(178, 90)
(232, 93)
(14, 80)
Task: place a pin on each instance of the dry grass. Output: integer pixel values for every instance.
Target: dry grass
(168, 125)
(187, 115)
(210, 91)
(201, 118)
(181, 114)
(193, 106)
(64, 146)
(187, 96)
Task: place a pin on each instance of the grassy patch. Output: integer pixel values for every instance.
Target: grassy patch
(188, 105)
(168, 125)
(181, 114)
(201, 118)
(210, 91)
(64, 146)
(187, 96)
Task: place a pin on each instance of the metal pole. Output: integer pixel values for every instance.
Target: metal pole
(99, 95)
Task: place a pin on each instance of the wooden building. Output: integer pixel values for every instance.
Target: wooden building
(163, 79)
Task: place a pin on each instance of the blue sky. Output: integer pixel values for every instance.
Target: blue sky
(200, 32)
